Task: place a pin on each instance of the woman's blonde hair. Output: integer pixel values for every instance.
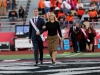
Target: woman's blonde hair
(55, 18)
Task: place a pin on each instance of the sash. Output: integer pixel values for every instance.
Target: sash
(83, 32)
(37, 30)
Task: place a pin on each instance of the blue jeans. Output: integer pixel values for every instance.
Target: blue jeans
(67, 11)
(13, 6)
(46, 9)
(8, 6)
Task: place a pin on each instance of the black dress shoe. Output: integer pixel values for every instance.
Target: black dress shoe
(52, 60)
(54, 64)
(36, 64)
(41, 63)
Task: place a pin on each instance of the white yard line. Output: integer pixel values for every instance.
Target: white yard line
(69, 69)
(74, 55)
(76, 72)
(10, 60)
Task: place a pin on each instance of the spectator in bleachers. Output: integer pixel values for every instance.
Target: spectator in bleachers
(79, 4)
(8, 4)
(56, 11)
(85, 16)
(66, 7)
(13, 16)
(61, 18)
(3, 5)
(41, 6)
(69, 19)
(72, 3)
(58, 4)
(80, 12)
(53, 4)
(93, 6)
(21, 12)
(13, 4)
(93, 15)
(47, 6)
(75, 1)
(61, 14)
(98, 12)
(94, 1)
(60, 1)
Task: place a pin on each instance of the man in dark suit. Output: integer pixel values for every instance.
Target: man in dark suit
(35, 36)
(73, 34)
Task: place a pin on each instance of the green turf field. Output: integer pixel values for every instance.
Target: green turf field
(63, 55)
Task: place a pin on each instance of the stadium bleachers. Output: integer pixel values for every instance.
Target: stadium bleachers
(28, 6)
(5, 20)
(33, 5)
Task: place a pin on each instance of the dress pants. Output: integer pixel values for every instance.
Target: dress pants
(75, 46)
(83, 45)
(38, 45)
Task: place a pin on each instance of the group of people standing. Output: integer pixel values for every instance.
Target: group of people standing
(84, 36)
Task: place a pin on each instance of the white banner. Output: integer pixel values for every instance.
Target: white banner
(23, 43)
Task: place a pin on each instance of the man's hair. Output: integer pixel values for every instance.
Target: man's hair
(35, 9)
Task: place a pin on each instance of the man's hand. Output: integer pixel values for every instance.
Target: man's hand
(30, 41)
(43, 27)
(37, 33)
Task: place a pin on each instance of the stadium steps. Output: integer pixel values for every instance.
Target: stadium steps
(33, 4)
(22, 3)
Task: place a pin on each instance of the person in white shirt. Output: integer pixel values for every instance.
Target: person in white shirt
(66, 7)
(47, 6)
(79, 4)
(86, 15)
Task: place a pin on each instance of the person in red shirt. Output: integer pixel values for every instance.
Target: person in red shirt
(61, 18)
(93, 15)
(69, 19)
(53, 4)
(80, 12)
(61, 14)
(58, 4)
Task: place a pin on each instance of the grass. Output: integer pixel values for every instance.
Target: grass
(64, 55)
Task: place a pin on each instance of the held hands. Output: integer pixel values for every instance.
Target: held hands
(44, 27)
(37, 33)
(88, 40)
(61, 38)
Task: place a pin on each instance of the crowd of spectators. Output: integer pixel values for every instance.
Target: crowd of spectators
(9, 6)
(64, 10)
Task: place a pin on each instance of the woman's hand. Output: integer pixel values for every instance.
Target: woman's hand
(44, 27)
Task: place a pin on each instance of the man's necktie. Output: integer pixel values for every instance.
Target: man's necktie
(74, 29)
(35, 21)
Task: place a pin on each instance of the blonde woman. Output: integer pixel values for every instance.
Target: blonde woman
(53, 27)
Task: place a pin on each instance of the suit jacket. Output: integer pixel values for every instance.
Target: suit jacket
(74, 34)
(80, 35)
(32, 31)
